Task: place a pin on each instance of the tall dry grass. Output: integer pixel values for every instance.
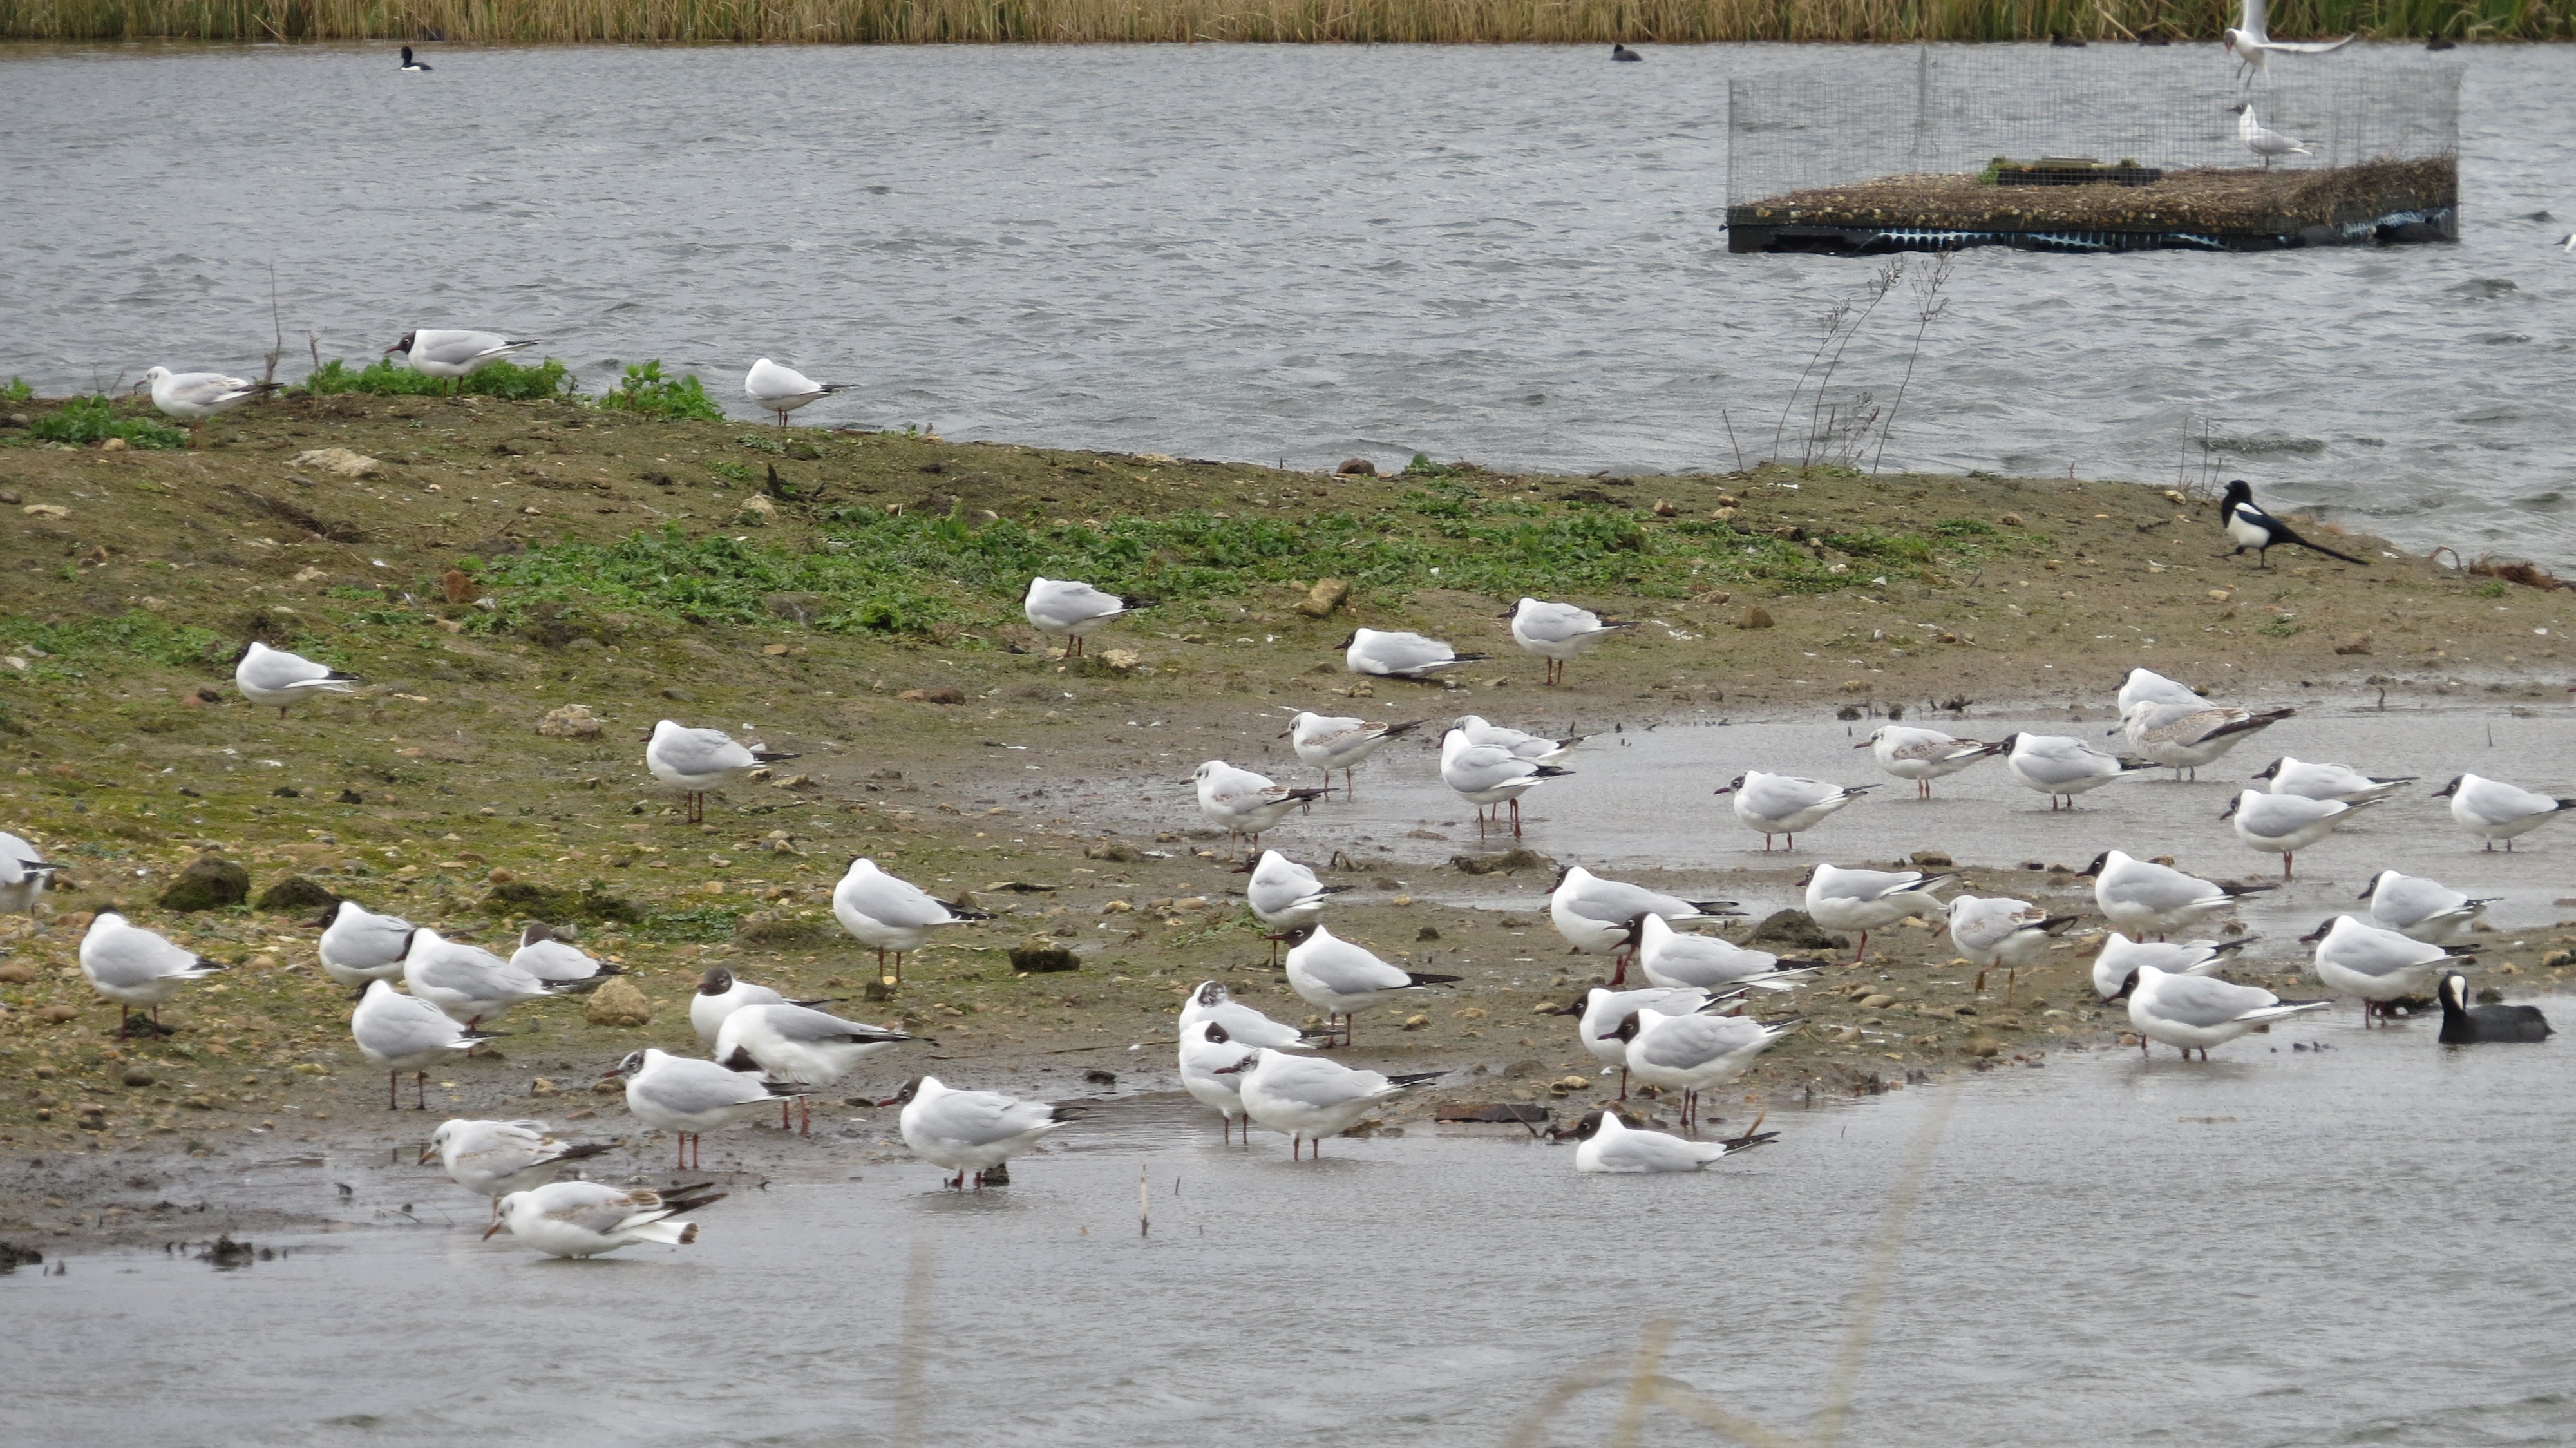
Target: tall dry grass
(919, 22)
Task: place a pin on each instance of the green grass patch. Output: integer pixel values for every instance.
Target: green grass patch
(702, 925)
(647, 393)
(65, 650)
(83, 421)
(17, 390)
(548, 380)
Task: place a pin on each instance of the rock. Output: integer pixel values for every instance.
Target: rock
(1877, 1002)
(1356, 468)
(523, 900)
(339, 462)
(458, 585)
(1664, 509)
(1327, 594)
(211, 883)
(16, 972)
(1415, 1023)
(1427, 932)
(46, 510)
(572, 721)
(761, 507)
(2010, 520)
(137, 1076)
(1040, 957)
(1932, 860)
(943, 694)
(1511, 861)
(1564, 1084)
(1117, 851)
(798, 608)
(296, 892)
(2358, 644)
(1116, 661)
(1797, 929)
(680, 693)
(59, 1013)
(618, 1003)
(1756, 616)
(1985, 1046)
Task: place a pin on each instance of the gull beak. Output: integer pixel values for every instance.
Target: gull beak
(1864, 744)
(1723, 789)
(426, 1153)
(488, 1231)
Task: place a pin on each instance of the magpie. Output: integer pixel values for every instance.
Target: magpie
(2253, 528)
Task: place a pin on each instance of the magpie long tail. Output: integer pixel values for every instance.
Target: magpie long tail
(2286, 536)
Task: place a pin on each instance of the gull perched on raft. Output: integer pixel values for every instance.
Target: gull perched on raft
(2120, 958)
(1243, 802)
(1785, 804)
(1923, 755)
(2329, 781)
(405, 1033)
(973, 1131)
(2194, 1012)
(782, 390)
(137, 968)
(697, 760)
(2263, 141)
(2377, 965)
(196, 396)
(1558, 632)
(1332, 741)
(2145, 898)
(1065, 608)
(2186, 736)
(1307, 1098)
(277, 678)
(584, 1219)
(2248, 43)
(1394, 655)
(1597, 914)
(891, 914)
(2422, 909)
(453, 354)
(1612, 1147)
(2494, 810)
(1486, 775)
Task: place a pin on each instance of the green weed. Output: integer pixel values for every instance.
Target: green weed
(17, 390)
(86, 420)
(646, 392)
(386, 378)
(61, 650)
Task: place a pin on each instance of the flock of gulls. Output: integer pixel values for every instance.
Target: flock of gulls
(1681, 1028)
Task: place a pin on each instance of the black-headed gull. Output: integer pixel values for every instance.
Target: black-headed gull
(1923, 755)
(358, 945)
(2062, 767)
(1243, 1025)
(2145, 898)
(2328, 781)
(1536, 748)
(1597, 914)
(196, 396)
(2196, 1012)
(2377, 965)
(466, 981)
(782, 390)
(1867, 900)
(2467, 1025)
(1245, 803)
(1284, 895)
(1558, 632)
(1992, 930)
(801, 1046)
(2248, 42)
(2422, 909)
(1489, 776)
(1669, 957)
(697, 760)
(1342, 978)
(1307, 1098)
(277, 678)
(1210, 1058)
(554, 959)
(2285, 824)
(1600, 1010)
(1397, 655)
(1612, 1147)
(2120, 957)
(1064, 608)
(137, 968)
(689, 1097)
(2494, 810)
(2267, 143)
(972, 1130)
(453, 354)
(584, 1219)
(720, 994)
(1692, 1053)
(2251, 527)
(2186, 736)
(891, 914)
(405, 1033)
(1331, 741)
(495, 1158)
(24, 875)
(1784, 804)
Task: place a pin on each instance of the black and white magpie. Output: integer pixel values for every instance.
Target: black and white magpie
(2253, 528)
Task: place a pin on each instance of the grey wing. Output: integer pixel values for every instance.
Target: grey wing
(458, 348)
(895, 902)
(799, 1023)
(986, 1116)
(204, 389)
(1350, 968)
(704, 751)
(2196, 1000)
(1408, 651)
(691, 1086)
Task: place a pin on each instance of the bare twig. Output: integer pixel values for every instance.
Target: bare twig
(1929, 304)
(1877, 287)
(1882, 1265)
(277, 346)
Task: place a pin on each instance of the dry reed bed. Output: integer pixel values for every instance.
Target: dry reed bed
(1313, 21)
(2235, 199)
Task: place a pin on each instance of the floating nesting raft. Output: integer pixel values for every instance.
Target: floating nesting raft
(2203, 210)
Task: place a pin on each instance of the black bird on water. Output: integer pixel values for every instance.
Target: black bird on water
(411, 64)
(2467, 1025)
(1621, 52)
(2253, 528)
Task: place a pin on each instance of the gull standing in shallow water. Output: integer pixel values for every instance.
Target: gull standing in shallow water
(2145, 898)
(1341, 978)
(1785, 804)
(1865, 900)
(1599, 1011)
(405, 1033)
(782, 390)
(800, 1046)
(973, 1131)
(1063, 608)
(137, 968)
(277, 678)
(697, 760)
(1395, 655)
(2286, 823)
(1486, 775)
(2186, 736)
(2062, 767)
(1558, 632)
(891, 914)
(584, 1219)
(1307, 1098)
(2377, 965)
(1245, 803)
(1692, 1053)
(1923, 755)
(689, 1097)
(358, 945)
(1208, 1055)
(1520, 743)
(1611, 1146)
(1597, 914)
(2422, 909)
(2494, 810)
(196, 396)
(1329, 742)
(1243, 1025)
(2195, 1012)
(2120, 957)
(495, 1158)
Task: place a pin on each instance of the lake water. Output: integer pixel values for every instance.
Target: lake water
(1506, 253)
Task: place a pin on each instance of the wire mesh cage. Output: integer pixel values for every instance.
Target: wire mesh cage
(2094, 148)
